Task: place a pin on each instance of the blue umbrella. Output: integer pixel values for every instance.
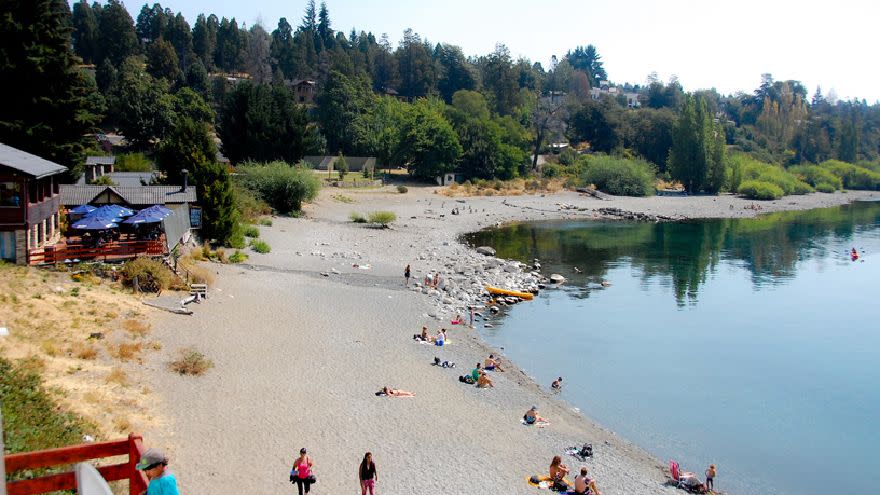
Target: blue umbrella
(159, 209)
(82, 209)
(92, 223)
(112, 211)
(145, 216)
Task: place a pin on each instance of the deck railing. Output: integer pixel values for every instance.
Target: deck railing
(110, 251)
(132, 447)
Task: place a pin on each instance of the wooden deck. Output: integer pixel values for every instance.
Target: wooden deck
(116, 250)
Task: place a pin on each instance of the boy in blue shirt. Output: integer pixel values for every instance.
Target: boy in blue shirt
(155, 465)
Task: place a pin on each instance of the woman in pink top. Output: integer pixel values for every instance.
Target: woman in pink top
(301, 474)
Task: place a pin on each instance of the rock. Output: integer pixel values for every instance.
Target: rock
(96, 335)
(486, 251)
(557, 278)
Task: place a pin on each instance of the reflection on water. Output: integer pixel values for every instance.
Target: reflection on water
(684, 253)
(749, 343)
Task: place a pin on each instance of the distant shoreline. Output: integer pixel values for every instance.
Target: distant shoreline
(302, 337)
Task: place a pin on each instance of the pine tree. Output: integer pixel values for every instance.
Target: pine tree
(85, 31)
(187, 146)
(214, 189)
(205, 39)
(698, 154)
(310, 19)
(116, 34)
(325, 32)
(46, 111)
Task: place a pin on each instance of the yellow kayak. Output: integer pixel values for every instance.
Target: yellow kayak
(522, 295)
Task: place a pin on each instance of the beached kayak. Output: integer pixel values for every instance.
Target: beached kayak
(522, 295)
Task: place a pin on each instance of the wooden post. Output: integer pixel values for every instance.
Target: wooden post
(136, 482)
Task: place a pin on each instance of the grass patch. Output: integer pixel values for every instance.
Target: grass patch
(756, 189)
(251, 231)
(32, 419)
(136, 328)
(190, 362)
(357, 217)
(402, 189)
(82, 350)
(126, 351)
(261, 247)
(117, 377)
(342, 198)
(267, 222)
(238, 257)
(152, 275)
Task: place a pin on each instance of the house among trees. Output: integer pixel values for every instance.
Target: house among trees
(306, 90)
(97, 166)
(29, 203)
(605, 89)
(354, 163)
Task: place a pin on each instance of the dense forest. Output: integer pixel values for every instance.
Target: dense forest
(170, 87)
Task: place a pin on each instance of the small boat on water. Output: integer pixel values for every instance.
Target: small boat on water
(528, 296)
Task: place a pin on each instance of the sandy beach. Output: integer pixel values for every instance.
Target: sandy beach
(301, 339)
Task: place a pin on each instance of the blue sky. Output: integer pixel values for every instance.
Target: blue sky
(721, 44)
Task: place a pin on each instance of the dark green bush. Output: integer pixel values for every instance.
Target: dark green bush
(567, 157)
(825, 187)
(402, 189)
(756, 189)
(551, 170)
(620, 176)
(283, 187)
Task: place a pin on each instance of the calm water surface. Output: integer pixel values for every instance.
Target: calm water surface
(752, 344)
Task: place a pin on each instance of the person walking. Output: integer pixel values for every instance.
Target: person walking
(154, 464)
(406, 274)
(367, 474)
(710, 477)
(301, 473)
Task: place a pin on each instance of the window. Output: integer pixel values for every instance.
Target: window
(10, 194)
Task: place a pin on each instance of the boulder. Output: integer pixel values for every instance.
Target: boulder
(486, 251)
(557, 278)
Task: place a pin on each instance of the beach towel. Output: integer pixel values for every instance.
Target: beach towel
(544, 482)
(539, 424)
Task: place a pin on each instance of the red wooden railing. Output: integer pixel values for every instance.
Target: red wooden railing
(132, 447)
(112, 250)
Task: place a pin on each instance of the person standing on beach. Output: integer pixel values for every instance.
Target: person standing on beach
(367, 474)
(710, 477)
(154, 464)
(406, 274)
(301, 473)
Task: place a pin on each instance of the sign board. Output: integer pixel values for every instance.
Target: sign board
(195, 217)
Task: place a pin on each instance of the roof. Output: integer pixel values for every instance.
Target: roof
(74, 194)
(100, 160)
(27, 163)
(133, 179)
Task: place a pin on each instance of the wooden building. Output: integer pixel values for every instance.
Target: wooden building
(29, 203)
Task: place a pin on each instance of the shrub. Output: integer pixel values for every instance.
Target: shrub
(852, 176)
(754, 170)
(238, 257)
(620, 176)
(260, 246)
(135, 328)
(756, 189)
(382, 218)
(814, 175)
(194, 273)
(403, 189)
(249, 205)
(152, 275)
(126, 351)
(267, 222)
(551, 170)
(251, 231)
(825, 187)
(567, 157)
(190, 362)
(236, 240)
(357, 217)
(283, 187)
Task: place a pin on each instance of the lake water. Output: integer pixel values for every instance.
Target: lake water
(752, 344)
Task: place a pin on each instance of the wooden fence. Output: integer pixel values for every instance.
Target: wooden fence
(132, 447)
(110, 251)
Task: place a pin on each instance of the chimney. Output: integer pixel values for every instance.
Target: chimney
(185, 173)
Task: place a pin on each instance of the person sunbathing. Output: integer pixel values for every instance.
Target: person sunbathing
(531, 416)
(491, 364)
(423, 336)
(484, 381)
(395, 392)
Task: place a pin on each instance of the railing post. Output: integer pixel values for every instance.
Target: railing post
(136, 483)
(2, 459)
